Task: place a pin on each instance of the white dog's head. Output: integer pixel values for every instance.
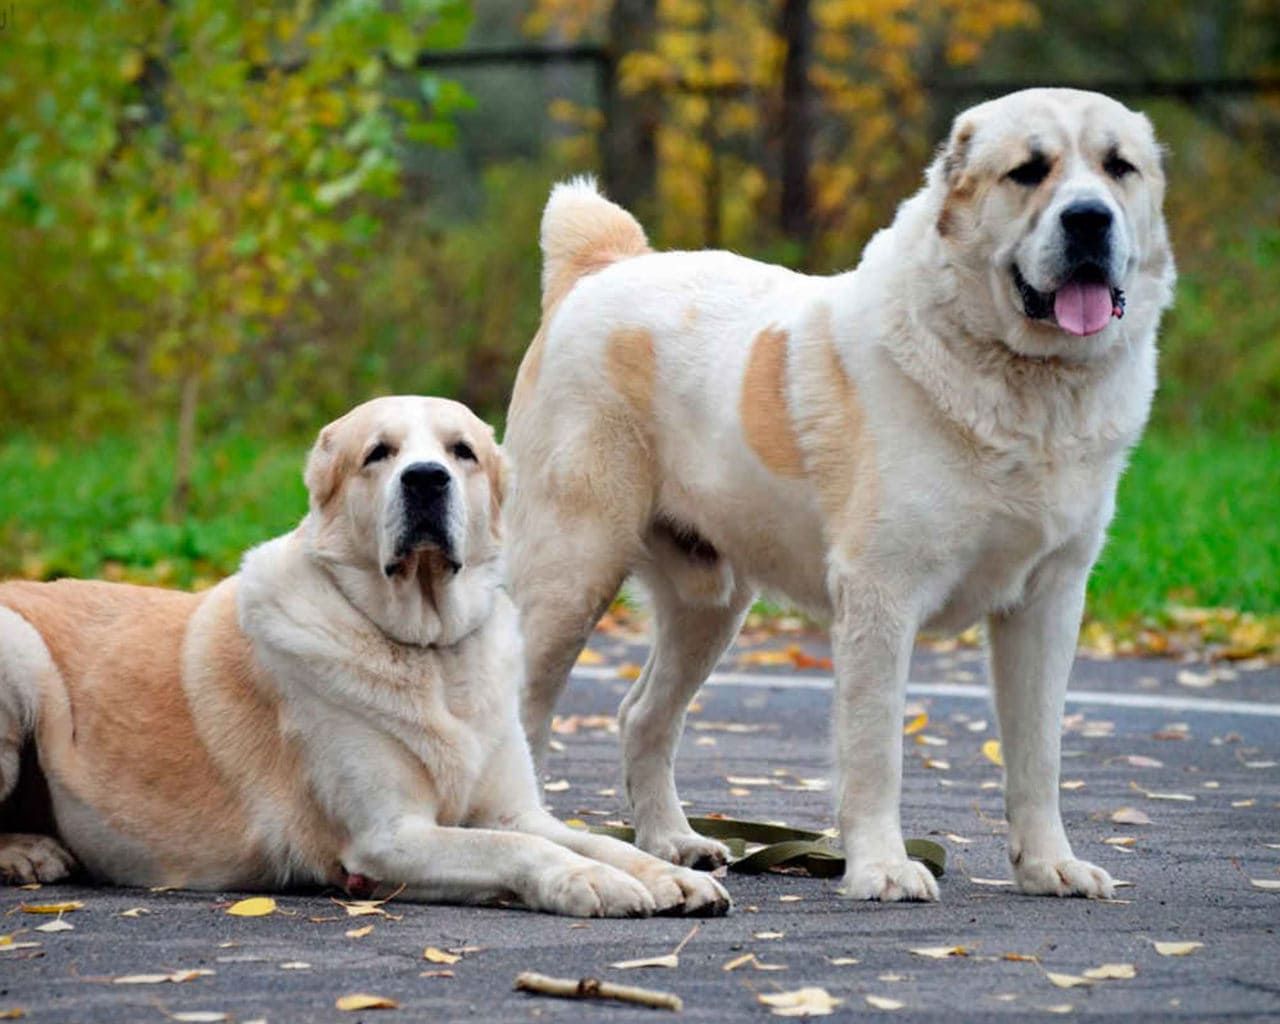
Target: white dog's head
(1050, 200)
(405, 500)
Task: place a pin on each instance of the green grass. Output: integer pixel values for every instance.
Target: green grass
(1197, 523)
(1198, 520)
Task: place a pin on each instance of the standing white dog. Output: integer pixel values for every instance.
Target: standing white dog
(931, 438)
(343, 710)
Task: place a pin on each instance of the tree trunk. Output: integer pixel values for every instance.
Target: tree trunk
(797, 122)
(629, 141)
(180, 498)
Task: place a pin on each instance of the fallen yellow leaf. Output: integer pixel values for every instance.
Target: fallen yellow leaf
(134, 912)
(1110, 972)
(439, 956)
(885, 1003)
(666, 960)
(590, 657)
(254, 906)
(359, 933)
(842, 961)
(752, 961)
(1066, 980)
(940, 952)
(1266, 884)
(628, 671)
(364, 1001)
(803, 1002)
(57, 925)
(1177, 948)
(991, 751)
(916, 724)
(1130, 816)
(13, 1013)
(175, 977)
(770, 935)
(199, 1017)
(556, 787)
(1022, 958)
(51, 908)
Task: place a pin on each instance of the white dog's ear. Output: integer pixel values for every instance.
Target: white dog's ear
(324, 470)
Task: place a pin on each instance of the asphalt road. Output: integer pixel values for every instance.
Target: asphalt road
(1190, 871)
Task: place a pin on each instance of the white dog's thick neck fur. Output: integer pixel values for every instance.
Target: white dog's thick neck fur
(898, 446)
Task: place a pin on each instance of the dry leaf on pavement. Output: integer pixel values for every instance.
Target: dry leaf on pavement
(802, 1002)
(255, 906)
(885, 1003)
(1177, 948)
(363, 1001)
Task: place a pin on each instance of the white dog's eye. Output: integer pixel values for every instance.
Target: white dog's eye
(1117, 166)
(462, 450)
(1032, 172)
(377, 453)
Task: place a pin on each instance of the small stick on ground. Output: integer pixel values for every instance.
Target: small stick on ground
(594, 988)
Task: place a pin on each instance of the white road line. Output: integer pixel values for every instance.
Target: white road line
(970, 691)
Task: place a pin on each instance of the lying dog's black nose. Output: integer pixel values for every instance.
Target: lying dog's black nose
(1087, 223)
(424, 479)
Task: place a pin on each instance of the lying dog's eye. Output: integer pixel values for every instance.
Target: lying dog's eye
(1032, 172)
(1117, 166)
(377, 453)
(462, 450)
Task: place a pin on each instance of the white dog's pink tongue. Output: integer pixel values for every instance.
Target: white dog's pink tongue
(1083, 308)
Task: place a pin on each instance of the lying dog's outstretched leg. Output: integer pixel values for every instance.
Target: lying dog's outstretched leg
(24, 659)
(872, 634)
(688, 641)
(674, 889)
(474, 865)
(1032, 648)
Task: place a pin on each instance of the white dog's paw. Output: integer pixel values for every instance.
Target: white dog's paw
(687, 849)
(25, 859)
(1068, 877)
(890, 881)
(594, 890)
(677, 890)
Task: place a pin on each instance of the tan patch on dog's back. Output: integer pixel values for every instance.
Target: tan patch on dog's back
(630, 364)
(838, 449)
(762, 406)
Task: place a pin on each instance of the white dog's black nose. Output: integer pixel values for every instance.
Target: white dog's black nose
(424, 479)
(1087, 222)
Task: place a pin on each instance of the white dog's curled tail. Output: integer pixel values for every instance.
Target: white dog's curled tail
(583, 232)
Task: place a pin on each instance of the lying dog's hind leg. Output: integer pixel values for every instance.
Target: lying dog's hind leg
(688, 641)
(24, 857)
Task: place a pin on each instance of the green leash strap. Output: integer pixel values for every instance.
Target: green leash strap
(781, 846)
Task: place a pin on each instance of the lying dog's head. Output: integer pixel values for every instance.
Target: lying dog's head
(1052, 198)
(405, 498)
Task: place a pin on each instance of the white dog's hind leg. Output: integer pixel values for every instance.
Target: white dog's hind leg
(1032, 649)
(872, 639)
(24, 660)
(687, 642)
(564, 574)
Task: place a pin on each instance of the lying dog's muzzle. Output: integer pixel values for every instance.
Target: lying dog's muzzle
(426, 491)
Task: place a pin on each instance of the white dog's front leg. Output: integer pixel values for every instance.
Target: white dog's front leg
(872, 636)
(1032, 648)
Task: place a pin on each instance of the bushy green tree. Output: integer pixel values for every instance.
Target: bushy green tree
(176, 176)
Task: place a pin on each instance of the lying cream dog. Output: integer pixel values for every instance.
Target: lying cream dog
(928, 440)
(344, 709)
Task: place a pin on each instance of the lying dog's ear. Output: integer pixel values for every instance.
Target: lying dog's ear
(948, 173)
(324, 471)
(499, 470)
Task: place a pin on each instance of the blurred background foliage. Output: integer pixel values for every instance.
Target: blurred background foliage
(226, 222)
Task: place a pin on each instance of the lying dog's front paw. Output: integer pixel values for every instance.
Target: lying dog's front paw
(889, 881)
(25, 859)
(594, 890)
(687, 849)
(677, 890)
(1068, 877)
